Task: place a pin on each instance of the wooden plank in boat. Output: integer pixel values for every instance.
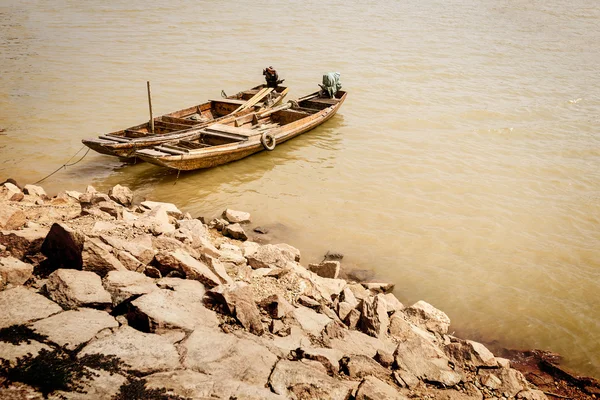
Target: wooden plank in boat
(231, 101)
(182, 121)
(324, 100)
(220, 128)
(171, 125)
(119, 139)
(170, 151)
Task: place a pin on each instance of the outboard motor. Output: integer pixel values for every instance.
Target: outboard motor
(331, 84)
(271, 77)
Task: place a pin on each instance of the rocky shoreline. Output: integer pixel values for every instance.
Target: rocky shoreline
(107, 298)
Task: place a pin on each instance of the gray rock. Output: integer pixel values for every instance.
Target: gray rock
(344, 309)
(217, 268)
(277, 306)
(374, 319)
(470, 354)
(405, 378)
(512, 380)
(139, 247)
(14, 272)
(72, 289)
(296, 380)
(24, 241)
(379, 287)
(239, 302)
(352, 318)
(63, 246)
(121, 194)
(359, 291)
(129, 261)
(426, 361)
(218, 224)
(330, 358)
(144, 352)
(163, 309)
(97, 257)
(355, 342)
(326, 269)
(72, 328)
(111, 208)
(196, 385)
(21, 306)
(11, 192)
(290, 252)
(385, 358)
(348, 296)
(11, 217)
(490, 381)
(310, 321)
(226, 356)
(34, 190)
(360, 366)
(308, 302)
(392, 302)
(192, 288)
(169, 208)
(267, 256)
(235, 231)
(372, 388)
(123, 285)
(236, 217)
(192, 268)
(428, 317)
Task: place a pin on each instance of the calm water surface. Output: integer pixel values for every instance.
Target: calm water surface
(464, 166)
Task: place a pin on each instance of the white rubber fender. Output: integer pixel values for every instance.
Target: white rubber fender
(268, 141)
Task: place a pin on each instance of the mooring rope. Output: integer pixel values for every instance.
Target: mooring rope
(65, 165)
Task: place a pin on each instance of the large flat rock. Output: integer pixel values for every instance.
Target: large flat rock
(21, 306)
(373, 388)
(294, 379)
(165, 309)
(221, 355)
(71, 289)
(196, 385)
(11, 352)
(14, 272)
(123, 285)
(144, 352)
(72, 328)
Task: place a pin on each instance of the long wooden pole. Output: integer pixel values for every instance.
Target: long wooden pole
(150, 107)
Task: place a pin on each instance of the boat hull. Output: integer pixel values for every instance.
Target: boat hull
(124, 148)
(219, 155)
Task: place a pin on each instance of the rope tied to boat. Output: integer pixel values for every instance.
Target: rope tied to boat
(65, 165)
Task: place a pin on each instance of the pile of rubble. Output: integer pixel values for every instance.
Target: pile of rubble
(199, 311)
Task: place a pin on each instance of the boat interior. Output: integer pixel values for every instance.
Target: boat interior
(196, 115)
(252, 124)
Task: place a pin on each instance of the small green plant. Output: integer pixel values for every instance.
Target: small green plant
(135, 389)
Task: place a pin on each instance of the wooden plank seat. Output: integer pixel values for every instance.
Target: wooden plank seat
(115, 138)
(182, 121)
(171, 125)
(230, 131)
(230, 101)
(325, 100)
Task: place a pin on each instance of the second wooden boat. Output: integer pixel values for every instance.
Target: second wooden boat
(243, 136)
(178, 124)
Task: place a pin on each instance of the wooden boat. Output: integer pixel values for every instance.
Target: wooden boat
(225, 142)
(178, 124)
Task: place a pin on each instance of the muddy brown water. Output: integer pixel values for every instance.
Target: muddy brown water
(464, 166)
